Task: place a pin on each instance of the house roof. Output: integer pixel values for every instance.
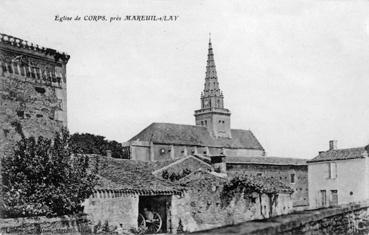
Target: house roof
(169, 133)
(188, 162)
(131, 176)
(266, 160)
(201, 175)
(340, 154)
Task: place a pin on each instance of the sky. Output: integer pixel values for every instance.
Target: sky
(294, 72)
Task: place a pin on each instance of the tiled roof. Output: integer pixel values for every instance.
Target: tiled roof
(169, 133)
(266, 160)
(201, 175)
(340, 154)
(131, 176)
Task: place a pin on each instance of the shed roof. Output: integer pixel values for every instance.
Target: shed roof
(169, 133)
(266, 160)
(132, 176)
(340, 154)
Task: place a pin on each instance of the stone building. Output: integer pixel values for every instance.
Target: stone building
(291, 171)
(211, 135)
(190, 203)
(338, 176)
(33, 96)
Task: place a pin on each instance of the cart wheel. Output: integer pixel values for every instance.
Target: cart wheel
(141, 221)
(155, 224)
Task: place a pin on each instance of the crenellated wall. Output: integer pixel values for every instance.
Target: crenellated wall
(33, 92)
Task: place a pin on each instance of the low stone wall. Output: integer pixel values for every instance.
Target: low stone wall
(43, 225)
(345, 219)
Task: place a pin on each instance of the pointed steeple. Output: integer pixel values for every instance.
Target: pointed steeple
(212, 114)
(211, 86)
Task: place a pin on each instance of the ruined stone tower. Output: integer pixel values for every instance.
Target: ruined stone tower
(33, 96)
(212, 114)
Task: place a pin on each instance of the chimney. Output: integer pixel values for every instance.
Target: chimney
(219, 163)
(332, 144)
(108, 153)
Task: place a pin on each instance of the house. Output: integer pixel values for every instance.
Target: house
(338, 176)
(211, 134)
(190, 201)
(203, 205)
(291, 171)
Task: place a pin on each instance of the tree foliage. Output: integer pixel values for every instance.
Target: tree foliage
(42, 177)
(95, 144)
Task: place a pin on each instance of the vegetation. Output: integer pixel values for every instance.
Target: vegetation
(175, 176)
(246, 185)
(42, 177)
(95, 144)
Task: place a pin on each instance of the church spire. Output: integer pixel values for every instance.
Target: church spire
(211, 86)
(212, 114)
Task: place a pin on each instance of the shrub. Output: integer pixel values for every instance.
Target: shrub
(42, 177)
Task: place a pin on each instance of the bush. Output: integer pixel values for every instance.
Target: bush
(42, 177)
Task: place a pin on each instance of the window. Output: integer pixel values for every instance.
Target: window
(332, 170)
(334, 198)
(323, 194)
(292, 178)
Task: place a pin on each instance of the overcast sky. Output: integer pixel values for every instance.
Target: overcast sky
(294, 72)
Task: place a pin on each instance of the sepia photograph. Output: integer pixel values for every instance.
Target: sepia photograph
(184, 117)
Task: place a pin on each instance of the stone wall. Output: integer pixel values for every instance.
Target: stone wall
(33, 96)
(37, 225)
(283, 173)
(345, 219)
(113, 207)
(32, 91)
(202, 208)
(146, 151)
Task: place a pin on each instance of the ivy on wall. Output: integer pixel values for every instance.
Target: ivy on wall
(246, 185)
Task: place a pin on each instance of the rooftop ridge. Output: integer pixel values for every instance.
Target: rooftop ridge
(24, 44)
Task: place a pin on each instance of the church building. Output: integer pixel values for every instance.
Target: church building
(212, 134)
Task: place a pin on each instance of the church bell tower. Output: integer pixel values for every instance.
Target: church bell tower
(212, 114)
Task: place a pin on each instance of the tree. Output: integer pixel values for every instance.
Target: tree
(42, 177)
(95, 144)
